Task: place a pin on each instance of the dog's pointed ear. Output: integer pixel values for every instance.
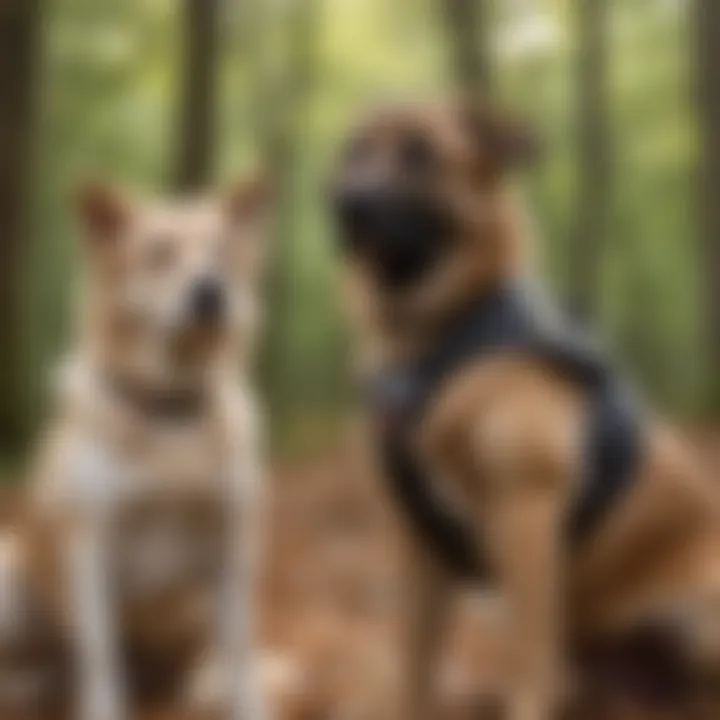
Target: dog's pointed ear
(104, 211)
(251, 200)
(502, 143)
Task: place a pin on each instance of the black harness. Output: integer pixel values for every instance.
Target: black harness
(510, 319)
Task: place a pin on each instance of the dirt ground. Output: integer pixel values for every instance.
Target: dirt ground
(332, 599)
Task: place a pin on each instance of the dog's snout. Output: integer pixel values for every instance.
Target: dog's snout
(401, 232)
(208, 300)
(356, 210)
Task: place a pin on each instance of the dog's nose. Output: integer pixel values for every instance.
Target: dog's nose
(208, 300)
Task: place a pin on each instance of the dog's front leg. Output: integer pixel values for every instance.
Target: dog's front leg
(100, 694)
(526, 547)
(238, 624)
(425, 600)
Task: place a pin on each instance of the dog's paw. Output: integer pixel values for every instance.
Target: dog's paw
(101, 702)
(215, 691)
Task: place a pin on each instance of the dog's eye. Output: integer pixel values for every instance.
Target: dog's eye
(161, 253)
(416, 155)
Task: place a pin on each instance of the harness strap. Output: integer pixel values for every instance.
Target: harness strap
(613, 450)
(443, 527)
(510, 319)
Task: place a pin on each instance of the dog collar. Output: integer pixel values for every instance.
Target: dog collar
(171, 403)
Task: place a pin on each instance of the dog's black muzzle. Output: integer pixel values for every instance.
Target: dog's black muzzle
(403, 236)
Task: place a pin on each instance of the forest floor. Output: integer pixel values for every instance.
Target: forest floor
(332, 599)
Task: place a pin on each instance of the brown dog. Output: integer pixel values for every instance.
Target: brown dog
(431, 228)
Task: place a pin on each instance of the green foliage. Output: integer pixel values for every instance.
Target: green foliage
(109, 98)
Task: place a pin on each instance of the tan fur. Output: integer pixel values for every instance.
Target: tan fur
(136, 522)
(504, 437)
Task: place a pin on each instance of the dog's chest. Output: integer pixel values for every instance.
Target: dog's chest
(171, 521)
(165, 543)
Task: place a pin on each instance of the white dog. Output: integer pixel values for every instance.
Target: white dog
(146, 499)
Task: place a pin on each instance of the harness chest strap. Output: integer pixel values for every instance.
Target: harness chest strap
(509, 319)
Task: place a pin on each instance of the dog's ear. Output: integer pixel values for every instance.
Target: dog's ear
(502, 143)
(250, 201)
(104, 211)
(248, 208)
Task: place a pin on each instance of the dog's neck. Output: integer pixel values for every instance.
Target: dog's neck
(159, 403)
(140, 374)
(405, 337)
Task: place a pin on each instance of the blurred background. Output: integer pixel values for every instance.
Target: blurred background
(170, 95)
(177, 95)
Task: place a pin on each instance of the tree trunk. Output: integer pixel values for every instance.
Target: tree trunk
(707, 23)
(197, 108)
(19, 31)
(593, 155)
(284, 105)
(467, 25)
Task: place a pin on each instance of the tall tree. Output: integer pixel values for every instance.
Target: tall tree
(197, 103)
(467, 24)
(19, 35)
(283, 102)
(593, 155)
(707, 24)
